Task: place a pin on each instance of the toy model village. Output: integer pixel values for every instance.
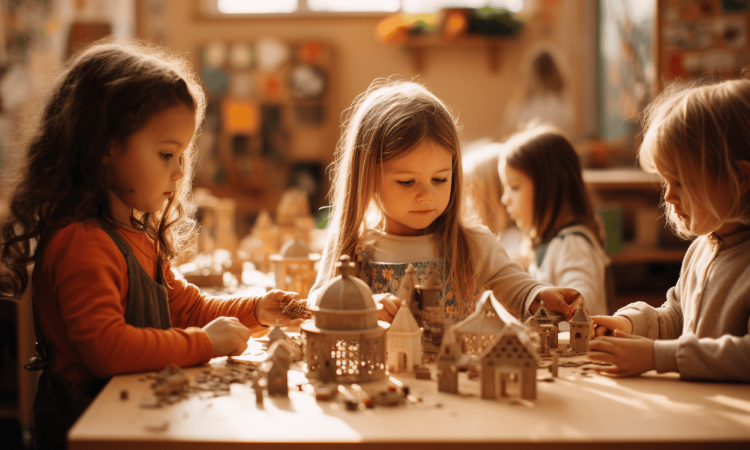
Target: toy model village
(344, 354)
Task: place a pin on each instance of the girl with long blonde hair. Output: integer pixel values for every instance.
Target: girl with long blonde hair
(396, 199)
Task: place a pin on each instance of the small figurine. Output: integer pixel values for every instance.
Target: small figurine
(277, 370)
(345, 340)
(580, 329)
(404, 341)
(294, 267)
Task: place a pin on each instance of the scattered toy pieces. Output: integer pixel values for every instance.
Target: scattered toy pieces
(297, 309)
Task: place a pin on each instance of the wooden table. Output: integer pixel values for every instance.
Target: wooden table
(580, 409)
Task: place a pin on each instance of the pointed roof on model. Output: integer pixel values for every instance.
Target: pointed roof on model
(581, 316)
(489, 317)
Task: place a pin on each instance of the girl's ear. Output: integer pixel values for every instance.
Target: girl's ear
(113, 148)
(744, 167)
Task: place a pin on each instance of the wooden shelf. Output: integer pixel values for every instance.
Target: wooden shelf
(416, 45)
(621, 178)
(636, 255)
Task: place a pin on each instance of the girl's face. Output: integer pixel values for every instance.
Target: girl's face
(695, 215)
(415, 189)
(518, 196)
(144, 171)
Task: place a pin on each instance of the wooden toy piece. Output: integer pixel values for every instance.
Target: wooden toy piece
(268, 236)
(297, 309)
(555, 362)
(427, 296)
(259, 383)
(345, 340)
(277, 335)
(580, 331)
(448, 363)
(406, 291)
(404, 341)
(293, 216)
(277, 369)
(546, 333)
(544, 316)
(422, 372)
(294, 267)
(503, 348)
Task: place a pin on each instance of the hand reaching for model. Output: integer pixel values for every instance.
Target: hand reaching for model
(390, 303)
(631, 355)
(228, 336)
(269, 309)
(565, 301)
(607, 325)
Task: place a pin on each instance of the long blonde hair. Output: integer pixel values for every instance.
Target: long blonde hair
(384, 123)
(698, 132)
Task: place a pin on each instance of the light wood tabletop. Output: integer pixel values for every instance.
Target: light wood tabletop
(579, 409)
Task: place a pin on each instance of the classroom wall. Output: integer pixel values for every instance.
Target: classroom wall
(460, 76)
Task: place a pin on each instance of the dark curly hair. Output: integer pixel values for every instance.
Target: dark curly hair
(105, 93)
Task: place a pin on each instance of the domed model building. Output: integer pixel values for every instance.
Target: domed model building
(345, 340)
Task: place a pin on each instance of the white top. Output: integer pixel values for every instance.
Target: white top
(574, 262)
(513, 287)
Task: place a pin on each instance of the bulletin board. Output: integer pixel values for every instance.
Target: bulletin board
(269, 123)
(698, 38)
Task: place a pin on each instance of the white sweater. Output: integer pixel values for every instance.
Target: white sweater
(572, 261)
(513, 287)
(702, 331)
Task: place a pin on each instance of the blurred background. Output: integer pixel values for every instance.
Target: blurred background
(280, 74)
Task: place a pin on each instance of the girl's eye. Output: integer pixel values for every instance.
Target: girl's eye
(439, 180)
(405, 183)
(165, 156)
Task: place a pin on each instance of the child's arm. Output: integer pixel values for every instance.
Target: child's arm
(86, 290)
(514, 288)
(724, 358)
(188, 307)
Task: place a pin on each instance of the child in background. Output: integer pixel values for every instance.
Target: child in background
(102, 208)
(484, 193)
(396, 198)
(698, 139)
(544, 192)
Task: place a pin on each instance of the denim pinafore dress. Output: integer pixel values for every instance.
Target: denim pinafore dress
(57, 405)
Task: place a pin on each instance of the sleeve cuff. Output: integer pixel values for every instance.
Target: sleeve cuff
(530, 299)
(665, 355)
(637, 320)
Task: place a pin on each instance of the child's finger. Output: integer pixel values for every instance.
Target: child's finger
(603, 357)
(624, 335)
(600, 330)
(292, 296)
(389, 306)
(603, 345)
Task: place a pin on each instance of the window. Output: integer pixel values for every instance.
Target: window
(224, 8)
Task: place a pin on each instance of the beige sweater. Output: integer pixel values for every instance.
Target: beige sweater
(513, 287)
(702, 330)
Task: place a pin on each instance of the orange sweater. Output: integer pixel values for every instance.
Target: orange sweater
(80, 289)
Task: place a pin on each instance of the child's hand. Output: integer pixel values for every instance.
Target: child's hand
(563, 300)
(228, 336)
(632, 355)
(606, 325)
(390, 303)
(268, 309)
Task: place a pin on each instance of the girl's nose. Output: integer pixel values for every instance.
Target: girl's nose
(424, 194)
(178, 172)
